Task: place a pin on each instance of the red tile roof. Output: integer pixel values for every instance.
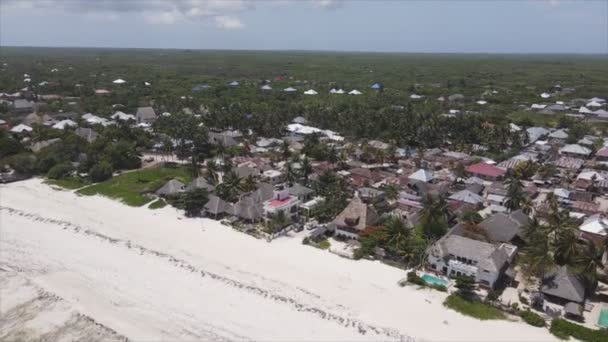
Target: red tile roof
(486, 170)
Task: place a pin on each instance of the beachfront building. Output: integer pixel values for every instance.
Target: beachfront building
(354, 219)
(281, 201)
(455, 256)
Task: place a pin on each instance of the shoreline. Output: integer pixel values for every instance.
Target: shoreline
(207, 274)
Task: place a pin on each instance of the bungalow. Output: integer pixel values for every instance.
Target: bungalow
(21, 128)
(223, 139)
(22, 106)
(595, 224)
(563, 286)
(216, 207)
(303, 193)
(467, 196)
(502, 227)
(145, 115)
(486, 171)
(602, 154)
(422, 175)
(354, 219)
(171, 188)
(122, 116)
(371, 195)
(200, 183)
(558, 136)
(455, 255)
(87, 133)
(273, 177)
(575, 150)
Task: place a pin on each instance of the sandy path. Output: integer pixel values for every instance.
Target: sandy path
(150, 275)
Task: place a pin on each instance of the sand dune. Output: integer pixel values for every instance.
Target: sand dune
(154, 275)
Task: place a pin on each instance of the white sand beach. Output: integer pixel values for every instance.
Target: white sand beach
(150, 275)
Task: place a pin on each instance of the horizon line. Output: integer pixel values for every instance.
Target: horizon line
(310, 50)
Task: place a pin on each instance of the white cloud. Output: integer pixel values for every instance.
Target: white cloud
(327, 4)
(228, 23)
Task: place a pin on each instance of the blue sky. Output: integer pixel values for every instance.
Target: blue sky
(516, 26)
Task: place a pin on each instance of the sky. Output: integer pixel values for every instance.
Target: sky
(461, 26)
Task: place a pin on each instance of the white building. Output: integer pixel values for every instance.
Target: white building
(455, 255)
(281, 201)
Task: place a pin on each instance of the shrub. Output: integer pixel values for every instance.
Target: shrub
(492, 296)
(23, 163)
(474, 309)
(524, 300)
(564, 329)
(60, 171)
(441, 288)
(101, 172)
(194, 201)
(515, 306)
(532, 318)
(324, 244)
(159, 203)
(413, 278)
(305, 241)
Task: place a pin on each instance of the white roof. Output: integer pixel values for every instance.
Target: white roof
(340, 91)
(594, 104)
(266, 87)
(595, 224)
(545, 95)
(20, 128)
(536, 132)
(482, 102)
(332, 91)
(561, 192)
(355, 92)
(597, 99)
(514, 127)
(302, 129)
(467, 197)
(496, 198)
(119, 81)
(559, 102)
(441, 98)
(310, 92)
(559, 134)
(122, 116)
(147, 83)
(576, 149)
(54, 70)
(27, 80)
(415, 96)
(290, 89)
(589, 175)
(422, 175)
(600, 112)
(2, 122)
(538, 106)
(584, 110)
(65, 123)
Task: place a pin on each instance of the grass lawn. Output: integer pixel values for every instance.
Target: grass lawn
(159, 203)
(538, 119)
(130, 188)
(324, 244)
(68, 183)
(478, 310)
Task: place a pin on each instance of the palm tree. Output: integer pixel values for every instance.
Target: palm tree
(285, 152)
(566, 246)
(306, 168)
(212, 172)
(434, 216)
(537, 256)
(588, 262)
(249, 184)
(527, 206)
(229, 189)
(292, 175)
(391, 192)
(515, 194)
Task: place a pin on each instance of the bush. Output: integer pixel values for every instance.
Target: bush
(324, 244)
(564, 329)
(194, 201)
(60, 171)
(159, 203)
(532, 318)
(524, 300)
(474, 309)
(413, 278)
(101, 172)
(24, 163)
(441, 288)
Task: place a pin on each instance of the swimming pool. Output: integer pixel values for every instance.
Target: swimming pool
(432, 280)
(603, 321)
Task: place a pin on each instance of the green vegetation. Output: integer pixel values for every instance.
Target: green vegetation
(194, 201)
(159, 203)
(324, 244)
(564, 330)
(413, 278)
(474, 309)
(131, 187)
(71, 183)
(532, 318)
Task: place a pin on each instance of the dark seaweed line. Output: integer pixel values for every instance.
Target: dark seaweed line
(361, 327)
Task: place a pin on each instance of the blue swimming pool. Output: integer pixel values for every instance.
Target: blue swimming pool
(603, 320)
(432, 280)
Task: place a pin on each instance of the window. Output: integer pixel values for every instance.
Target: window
(486, 271)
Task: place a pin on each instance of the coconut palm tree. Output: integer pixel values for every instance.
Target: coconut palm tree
(434, 216)
(249, 184)
(588, 262)
(515, 194)
(391, 192)
(537, 256)
(306, 168)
